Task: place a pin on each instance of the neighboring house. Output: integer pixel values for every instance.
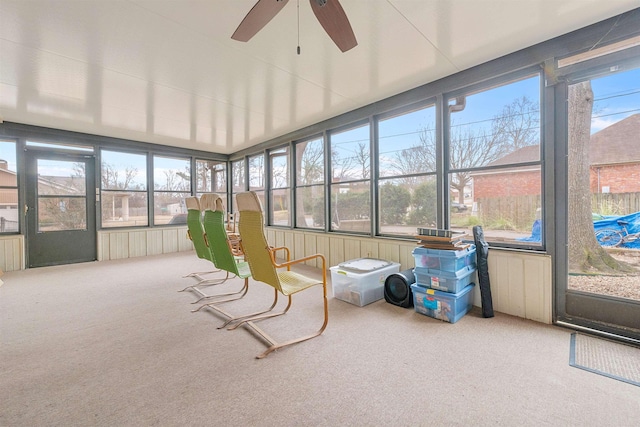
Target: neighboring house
(615, 165)
(8, 199)
(615, 157)
(514, 181)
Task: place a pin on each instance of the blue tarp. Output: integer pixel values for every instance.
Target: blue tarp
(606, 221)
(536, 233)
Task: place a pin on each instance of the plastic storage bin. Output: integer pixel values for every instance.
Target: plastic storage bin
(444, 281)
(445, 260)
(361, 281)
(442, 305)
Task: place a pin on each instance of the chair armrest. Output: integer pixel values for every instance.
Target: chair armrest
(235, 246)
(288, 264)
(273, 250)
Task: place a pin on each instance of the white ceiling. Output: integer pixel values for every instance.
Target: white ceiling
(167, 71)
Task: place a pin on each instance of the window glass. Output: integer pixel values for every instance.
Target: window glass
(123, 177)
(497, 126)
(350, 188)
(211, 177)
(237, 170)
(256, 172)
(8, 187)
(172, 184)
(407, 143)
(280, 199)
(406, 204)
(310, 210)
(256, 176)
(310, 162)
(495, 171)
(310, 198)
(407, 152)
(350, 154)
(350, 207)
(61, 195)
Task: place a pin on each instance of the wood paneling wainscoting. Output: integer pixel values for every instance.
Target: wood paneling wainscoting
(12, 255)
(130, 243)
(521, 282)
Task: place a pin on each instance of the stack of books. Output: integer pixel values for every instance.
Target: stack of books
(434, 238)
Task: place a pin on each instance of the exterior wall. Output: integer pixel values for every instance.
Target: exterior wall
(619, 178)
(506, 184)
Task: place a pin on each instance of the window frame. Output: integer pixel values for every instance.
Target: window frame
(277, 152)
(322, 185)
(485, 86)
(14, 188)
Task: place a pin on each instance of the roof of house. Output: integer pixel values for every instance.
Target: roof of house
(617, 143)
(529, 153)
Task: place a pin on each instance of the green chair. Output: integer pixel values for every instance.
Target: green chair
(195, 233)
(264, 268)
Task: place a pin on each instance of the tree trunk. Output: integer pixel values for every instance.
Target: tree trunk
(585, 254)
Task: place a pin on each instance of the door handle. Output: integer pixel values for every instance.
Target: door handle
(26, 209)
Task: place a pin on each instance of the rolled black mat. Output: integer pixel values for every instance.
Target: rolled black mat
(482, 252)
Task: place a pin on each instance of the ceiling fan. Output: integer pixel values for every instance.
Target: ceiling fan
(328, 12)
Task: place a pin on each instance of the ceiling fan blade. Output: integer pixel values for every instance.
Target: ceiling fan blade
(259, 16)
(335, 22)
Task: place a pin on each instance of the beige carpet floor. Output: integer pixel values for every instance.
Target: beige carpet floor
(114, 344)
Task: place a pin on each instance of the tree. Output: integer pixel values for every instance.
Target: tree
(362, 159)
(585, 254)
(394, 201)
(310, 158)
(424, 205)
(112, 178)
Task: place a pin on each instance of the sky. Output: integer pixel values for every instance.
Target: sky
(616, 97)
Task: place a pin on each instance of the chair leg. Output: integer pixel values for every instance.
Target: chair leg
(234, 296)
(275, 346)
(206, 282)
(261, 316)
(249, 316)
(199, 274)
(204, 296)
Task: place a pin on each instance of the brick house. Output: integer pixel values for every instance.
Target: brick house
(514, 181)
(615, 157)
(615, 165)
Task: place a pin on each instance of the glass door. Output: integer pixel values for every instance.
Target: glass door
(60, 209)
(603, 204)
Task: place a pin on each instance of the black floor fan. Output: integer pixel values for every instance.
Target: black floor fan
(397, 288)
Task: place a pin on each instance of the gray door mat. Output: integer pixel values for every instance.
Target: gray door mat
(605, 357)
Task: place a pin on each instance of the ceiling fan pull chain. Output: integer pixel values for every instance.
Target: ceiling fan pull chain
(298, 27)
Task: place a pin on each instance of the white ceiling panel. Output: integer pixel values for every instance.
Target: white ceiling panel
(167, 71)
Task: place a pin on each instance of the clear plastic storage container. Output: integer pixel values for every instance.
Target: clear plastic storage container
(361, 281)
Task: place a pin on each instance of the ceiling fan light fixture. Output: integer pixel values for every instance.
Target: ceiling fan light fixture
(329, 13)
